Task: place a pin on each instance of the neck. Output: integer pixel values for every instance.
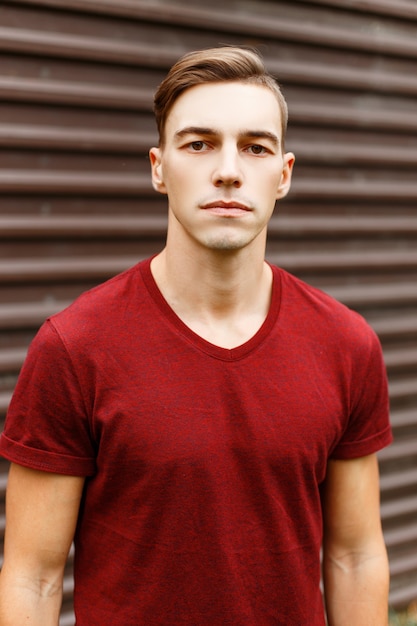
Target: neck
(223, 296)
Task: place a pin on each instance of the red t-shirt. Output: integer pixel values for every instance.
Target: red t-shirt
(203, 464)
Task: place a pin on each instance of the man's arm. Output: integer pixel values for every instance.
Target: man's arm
(41, 515)
(355, 564)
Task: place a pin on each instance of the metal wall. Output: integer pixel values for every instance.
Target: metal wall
(76, 84)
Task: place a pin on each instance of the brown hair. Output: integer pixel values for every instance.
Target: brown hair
(214, 65)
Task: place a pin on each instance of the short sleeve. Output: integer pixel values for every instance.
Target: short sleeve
(368, 428)
(47, 424)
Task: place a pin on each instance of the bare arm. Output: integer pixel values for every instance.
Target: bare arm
(355, 565)
(41, 515)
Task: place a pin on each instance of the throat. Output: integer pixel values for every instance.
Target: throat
(226, 313)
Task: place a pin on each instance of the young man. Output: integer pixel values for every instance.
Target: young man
(204, 423)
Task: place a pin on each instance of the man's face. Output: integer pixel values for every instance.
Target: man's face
(222, 165)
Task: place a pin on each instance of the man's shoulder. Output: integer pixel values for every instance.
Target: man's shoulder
(103, 305)
(320, 311)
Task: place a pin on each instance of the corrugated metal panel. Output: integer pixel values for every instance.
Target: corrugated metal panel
(76, 205)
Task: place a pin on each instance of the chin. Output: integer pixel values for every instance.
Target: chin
(226, 245)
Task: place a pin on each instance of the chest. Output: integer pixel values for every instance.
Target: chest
(186, 411)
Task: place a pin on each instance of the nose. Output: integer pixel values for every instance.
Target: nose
(228, 171)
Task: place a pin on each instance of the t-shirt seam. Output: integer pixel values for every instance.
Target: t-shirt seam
(16, 452)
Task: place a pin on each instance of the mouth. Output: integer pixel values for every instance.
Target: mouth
(230, 208)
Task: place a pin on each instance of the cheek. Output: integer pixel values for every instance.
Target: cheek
(267, 174)
(176, 173)
(183, 179)
(267, 186)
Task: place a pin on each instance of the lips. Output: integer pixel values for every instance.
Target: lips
(230, 208)
(229, 204)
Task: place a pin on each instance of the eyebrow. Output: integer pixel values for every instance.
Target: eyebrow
(212, 132)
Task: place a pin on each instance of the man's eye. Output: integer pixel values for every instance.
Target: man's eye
(256, 149)
(197, 146)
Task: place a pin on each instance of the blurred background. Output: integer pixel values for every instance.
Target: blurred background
(76, 205)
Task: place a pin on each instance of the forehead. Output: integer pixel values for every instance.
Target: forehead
(227, 107)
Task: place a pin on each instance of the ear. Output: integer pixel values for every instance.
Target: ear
(285, 182)
(155, 157)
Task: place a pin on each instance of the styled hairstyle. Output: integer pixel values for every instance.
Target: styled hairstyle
(214, 65)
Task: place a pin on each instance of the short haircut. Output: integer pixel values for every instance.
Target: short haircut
(214, 65)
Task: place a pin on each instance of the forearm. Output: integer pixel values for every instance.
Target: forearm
(27, 603)
(356, 589)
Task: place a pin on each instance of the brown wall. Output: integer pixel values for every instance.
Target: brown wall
(76, 205)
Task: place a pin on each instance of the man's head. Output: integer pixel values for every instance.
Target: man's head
(215, 65)
(220, 159)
